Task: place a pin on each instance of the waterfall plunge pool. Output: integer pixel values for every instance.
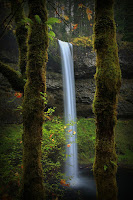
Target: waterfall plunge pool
(86, 189)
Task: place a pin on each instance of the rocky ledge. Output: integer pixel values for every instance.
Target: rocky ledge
(85, 67)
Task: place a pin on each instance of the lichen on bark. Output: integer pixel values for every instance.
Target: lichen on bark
(33, 104)
(108, 81)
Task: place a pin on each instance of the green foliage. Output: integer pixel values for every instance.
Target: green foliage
(19, 108)
(38, 19)
(50, 111)
(105, 167)
(44, 97)
(86, 140)
(124, 142)
(52, 20)
(27, 22)
(53, 149)
(53, 155)
(83, 41)
(50, 26)
(114, 163)
(51, 35)
(11, 159)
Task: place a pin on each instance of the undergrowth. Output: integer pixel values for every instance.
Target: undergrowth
(53, 149)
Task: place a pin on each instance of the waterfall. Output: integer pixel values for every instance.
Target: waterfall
(71, 166)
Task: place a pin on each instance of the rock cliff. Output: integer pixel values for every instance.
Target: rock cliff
(85, 67)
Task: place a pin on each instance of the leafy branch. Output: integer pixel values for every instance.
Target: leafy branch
(51, 4)
(16, 80)
(50, 111)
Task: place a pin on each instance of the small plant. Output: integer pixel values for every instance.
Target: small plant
(50, 111)
(11, 161)
(51, 21)
(53, 150)
(105, 167)
(17, 95)
(38, 19)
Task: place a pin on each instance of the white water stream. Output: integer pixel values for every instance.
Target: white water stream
(71, 167)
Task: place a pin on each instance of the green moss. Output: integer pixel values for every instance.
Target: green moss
(108, 81)
(33, 104)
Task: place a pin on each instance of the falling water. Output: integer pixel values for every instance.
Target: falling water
(71, 168)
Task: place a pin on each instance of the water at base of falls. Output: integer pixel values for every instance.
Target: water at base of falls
(71, 166)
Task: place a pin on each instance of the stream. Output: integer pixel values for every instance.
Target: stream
(86, 189)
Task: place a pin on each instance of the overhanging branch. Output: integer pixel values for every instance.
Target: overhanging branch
(16, 81)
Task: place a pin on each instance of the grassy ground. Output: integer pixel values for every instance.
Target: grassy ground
(54, 152)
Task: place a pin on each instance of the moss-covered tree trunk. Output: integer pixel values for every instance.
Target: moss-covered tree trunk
(17, 80)
(108, 81)
(33, 105)
(21, 32)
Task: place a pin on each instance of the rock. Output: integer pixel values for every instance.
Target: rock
(84, 62)
(125, 105)
(55, 91)
(8, 104)
(85, 68)
(126, 63)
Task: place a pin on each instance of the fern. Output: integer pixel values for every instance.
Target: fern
(51, 35)
(52, 20)
(38, 19)
(26, 21)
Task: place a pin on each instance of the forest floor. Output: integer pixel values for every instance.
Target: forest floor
(53, 144)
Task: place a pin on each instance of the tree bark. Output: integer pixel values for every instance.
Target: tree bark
(21, 33)
(33, 104)
(16, 80)
(108, 81)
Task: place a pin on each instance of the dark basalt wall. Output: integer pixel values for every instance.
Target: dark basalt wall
(85, 67)
(84, 64)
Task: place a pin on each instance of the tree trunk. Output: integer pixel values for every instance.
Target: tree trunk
(33, 105)
(108, 81)
(21, 33)
(15, 79)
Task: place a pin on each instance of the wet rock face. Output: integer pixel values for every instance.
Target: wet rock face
(84, 63)
(85, 68)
